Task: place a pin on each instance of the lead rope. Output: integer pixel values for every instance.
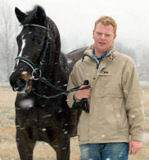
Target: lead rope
(63, 92)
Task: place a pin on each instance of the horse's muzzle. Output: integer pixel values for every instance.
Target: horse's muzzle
(20, 83)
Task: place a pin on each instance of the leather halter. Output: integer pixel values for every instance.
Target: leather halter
(36, 71)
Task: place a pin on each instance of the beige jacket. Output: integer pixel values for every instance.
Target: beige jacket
(116, 109)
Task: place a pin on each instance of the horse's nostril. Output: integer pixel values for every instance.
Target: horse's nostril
(20, 82)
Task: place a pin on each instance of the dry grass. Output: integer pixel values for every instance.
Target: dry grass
(8, 149)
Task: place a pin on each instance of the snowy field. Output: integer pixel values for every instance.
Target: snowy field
(8, 150)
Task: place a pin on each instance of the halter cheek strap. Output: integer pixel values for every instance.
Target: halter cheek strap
(36, 71)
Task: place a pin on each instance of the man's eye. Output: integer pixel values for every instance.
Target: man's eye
(99, 33)
(107, 35)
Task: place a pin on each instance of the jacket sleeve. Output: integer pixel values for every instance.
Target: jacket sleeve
(72, 83)
(134, 105)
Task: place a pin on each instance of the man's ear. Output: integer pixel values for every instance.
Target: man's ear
(93, 33)
(115, 36)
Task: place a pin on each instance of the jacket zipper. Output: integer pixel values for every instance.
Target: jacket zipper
(97, 64)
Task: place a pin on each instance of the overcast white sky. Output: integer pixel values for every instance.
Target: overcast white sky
(75, 19)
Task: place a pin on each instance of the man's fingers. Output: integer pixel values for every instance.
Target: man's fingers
(83, 86)
(85, 95)
(134, 147)
(82, 93)
(135, 150)
(130, 147)
(85, 92)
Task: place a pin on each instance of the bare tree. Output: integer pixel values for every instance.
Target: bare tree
(8, 32)
(143, 66)
(128, 51)
(140, 56)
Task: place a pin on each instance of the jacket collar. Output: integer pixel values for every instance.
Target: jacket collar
(110, 53)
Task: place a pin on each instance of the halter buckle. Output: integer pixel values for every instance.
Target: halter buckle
(36, 74)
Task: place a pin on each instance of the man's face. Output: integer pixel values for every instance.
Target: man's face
(103, 38)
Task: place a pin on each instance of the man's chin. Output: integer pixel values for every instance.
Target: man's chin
(101, 49)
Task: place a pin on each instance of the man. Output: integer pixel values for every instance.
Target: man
(114, 125)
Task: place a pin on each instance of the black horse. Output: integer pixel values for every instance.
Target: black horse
(39, 63)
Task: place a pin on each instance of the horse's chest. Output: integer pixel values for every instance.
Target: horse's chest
(41, 117)
(39, 123)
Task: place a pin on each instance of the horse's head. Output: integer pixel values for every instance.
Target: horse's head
(38, 43)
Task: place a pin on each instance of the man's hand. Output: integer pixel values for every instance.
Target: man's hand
(134, 147)
(82, 93)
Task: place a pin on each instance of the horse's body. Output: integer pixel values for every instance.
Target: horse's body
(38, 118)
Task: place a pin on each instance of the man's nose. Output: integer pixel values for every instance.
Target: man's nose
(103, 36)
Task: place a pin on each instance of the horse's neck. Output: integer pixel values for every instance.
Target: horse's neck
(57, 72)
(60, 72)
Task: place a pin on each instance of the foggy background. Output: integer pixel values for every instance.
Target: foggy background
(75, 21)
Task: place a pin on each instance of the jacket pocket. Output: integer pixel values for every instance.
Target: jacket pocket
(116, 100)
(112, 102)
(109, 92)
(121, 118)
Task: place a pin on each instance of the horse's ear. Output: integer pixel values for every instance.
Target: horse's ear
(20, 15)
(40, 14)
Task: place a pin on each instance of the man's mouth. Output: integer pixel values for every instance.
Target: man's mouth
(102, 43)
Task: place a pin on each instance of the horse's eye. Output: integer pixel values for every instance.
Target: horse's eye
(36, 40)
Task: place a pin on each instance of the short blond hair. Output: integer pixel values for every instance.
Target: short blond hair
(106, 21)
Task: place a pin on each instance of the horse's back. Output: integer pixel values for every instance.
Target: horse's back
(75, 55)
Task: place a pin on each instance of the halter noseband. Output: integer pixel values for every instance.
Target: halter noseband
(35, 69)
